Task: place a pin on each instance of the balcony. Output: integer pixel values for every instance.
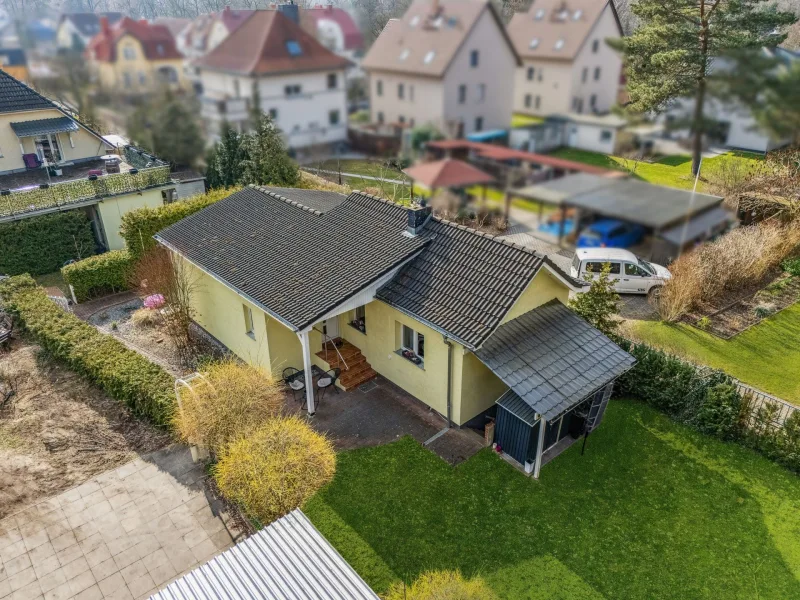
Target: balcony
(232, 109)
(37, 192)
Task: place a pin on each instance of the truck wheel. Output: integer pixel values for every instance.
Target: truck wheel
(654, 295)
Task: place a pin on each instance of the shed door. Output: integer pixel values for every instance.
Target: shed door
(512, 434)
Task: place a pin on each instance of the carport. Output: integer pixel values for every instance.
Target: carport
(660, 209)
(560, 371)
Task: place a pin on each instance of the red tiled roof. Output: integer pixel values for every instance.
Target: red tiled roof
(447, 173)
(156, 40)
(259, 47)
(502, 153)
(353, 39)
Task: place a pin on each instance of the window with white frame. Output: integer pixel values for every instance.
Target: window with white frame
(248, 321)
(360, 319)
(481, 92)
(412, 342)
(129, 52)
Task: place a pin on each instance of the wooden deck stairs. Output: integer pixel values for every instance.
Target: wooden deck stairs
(357, 371)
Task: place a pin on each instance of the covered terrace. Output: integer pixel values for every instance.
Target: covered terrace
(450, 174)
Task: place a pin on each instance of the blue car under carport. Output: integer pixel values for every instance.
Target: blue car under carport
(610, 233)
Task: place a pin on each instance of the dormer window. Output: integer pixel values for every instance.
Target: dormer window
(429, 57)
(559, 44)
(404, 54)
(534, 44)
(539, 15)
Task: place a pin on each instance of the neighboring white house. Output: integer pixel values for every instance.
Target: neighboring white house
(735, 126)
(448, 63)
(299, 82)
(596, 133)
(567, 66)
(75, 30)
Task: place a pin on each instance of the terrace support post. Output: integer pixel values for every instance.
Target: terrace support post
(309, 374)
(561, 225)
(507, 204)
(539, 447)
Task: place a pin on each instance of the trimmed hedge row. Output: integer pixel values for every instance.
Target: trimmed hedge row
(99, 275)
(42, 244)
(122, 373)
(140, 225)
(707, 400)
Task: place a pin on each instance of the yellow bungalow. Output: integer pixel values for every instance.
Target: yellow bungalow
(309, 280)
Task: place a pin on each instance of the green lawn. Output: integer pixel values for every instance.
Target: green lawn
(652, 511)
(370, 168)
(767, 356)
(52, 280)
(519, 120)
(672, 171)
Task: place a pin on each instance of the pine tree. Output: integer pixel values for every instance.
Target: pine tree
(598, 305)
(225, 159)
(265, 159)
(671, 54)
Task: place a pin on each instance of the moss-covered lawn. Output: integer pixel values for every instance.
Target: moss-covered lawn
(652, 511)
(673, 171)
(520, 120)
(767, 356)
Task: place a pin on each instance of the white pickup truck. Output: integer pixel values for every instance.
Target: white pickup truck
(630, 274)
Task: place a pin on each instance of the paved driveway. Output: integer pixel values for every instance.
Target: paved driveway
(123, 534)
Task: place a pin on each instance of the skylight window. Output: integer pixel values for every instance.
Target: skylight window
(578, 14)
(539, 14)
(534, 44)
(429, 57)
(559, 44)
(414, 21)
(294, 48)
(404, 54)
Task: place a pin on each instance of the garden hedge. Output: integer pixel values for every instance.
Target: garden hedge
(122, 373)
(140, 225)
(99, 275)
(42, 244)
(708, 400)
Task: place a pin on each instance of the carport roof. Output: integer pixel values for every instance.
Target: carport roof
(626, 199)
(552, 359)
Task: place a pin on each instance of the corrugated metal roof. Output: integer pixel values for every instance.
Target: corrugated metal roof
(288, 560)
(43, 126)
(698, 226)
(552, 358)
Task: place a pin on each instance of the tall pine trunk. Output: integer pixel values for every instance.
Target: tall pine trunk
(698, 123)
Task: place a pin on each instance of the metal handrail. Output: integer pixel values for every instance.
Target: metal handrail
(325, 339)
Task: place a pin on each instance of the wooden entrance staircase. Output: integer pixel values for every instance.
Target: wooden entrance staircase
(357, 371)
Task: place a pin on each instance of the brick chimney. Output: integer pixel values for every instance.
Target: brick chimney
(417, 218)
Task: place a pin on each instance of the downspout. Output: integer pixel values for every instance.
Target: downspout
(449, 378)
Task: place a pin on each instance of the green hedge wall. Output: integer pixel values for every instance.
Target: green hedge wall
(139, 226)
(122, 373)
(99, 275)
(40, 245)
(708, 400)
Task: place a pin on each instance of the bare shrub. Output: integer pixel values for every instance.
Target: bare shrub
(442, 585)
(742, 257)
(147, 318)
(234, 399)
(159, 271)
(770, 187)
(276, 468)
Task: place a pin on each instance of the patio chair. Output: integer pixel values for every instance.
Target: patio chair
(327, 381)
(294, 378)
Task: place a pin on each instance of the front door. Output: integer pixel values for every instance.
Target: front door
(331, 327)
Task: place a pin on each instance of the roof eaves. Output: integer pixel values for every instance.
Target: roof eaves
(438, 329)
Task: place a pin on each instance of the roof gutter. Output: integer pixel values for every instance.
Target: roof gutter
(236, 291)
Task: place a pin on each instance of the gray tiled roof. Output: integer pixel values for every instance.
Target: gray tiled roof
(295, 262)
(464, 282)
(317, 200)
(42, 126)
(552, 359)
(15, 96)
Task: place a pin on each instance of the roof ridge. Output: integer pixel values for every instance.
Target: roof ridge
(379, 199)
(496, 238)
(277, 196)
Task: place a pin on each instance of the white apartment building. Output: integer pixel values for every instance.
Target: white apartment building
(446, 63)
(567, 66)
(296, 80)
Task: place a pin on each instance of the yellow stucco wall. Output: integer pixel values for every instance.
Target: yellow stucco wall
(218, 310)
(112, 209)
(86, 145)
(141, 72)
(479, 389)
(16, 71)
(285, 349)
(542, 288)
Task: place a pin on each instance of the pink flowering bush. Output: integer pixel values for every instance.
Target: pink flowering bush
(154, 301)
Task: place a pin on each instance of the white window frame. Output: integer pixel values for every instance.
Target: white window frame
(414, 340)
(249, 325)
